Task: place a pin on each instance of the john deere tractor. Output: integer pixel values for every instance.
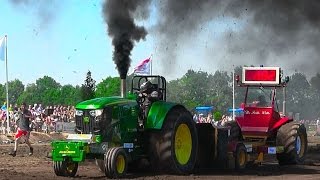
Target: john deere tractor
(118, 132)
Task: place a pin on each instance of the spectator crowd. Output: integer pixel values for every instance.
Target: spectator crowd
(43, 119)
(203, 118)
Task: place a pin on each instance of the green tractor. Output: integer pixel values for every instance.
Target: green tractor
(120, 132)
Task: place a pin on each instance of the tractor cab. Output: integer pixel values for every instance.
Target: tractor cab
(148, 89)
(148, 84)
(261, 112)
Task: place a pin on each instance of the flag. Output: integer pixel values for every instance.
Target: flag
(2, 48)
(143, 68)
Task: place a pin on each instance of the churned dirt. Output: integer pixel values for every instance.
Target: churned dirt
(39, 166)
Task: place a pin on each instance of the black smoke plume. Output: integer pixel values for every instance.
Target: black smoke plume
(283, 31)
(280, 32)
(119, 16)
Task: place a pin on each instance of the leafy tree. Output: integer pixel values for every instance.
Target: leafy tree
(47, 91)
(16, 88)
(191, 90)
(69, 95)
(315, 82)
(52, 97)
(46, 83)
(220, 91)
(28, 96)
(201, 88)
(315, 94)
(174, 91)
(217, 115)
(298, 95)
(108, 87)
(88, 88)
(3, 95)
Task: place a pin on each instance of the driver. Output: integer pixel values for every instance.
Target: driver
(262, 101)
(147, 95)
(147, 90)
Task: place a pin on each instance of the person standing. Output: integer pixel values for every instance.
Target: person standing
(209, 118)
(23, 129)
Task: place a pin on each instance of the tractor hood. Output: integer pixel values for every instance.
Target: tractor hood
(99, 103)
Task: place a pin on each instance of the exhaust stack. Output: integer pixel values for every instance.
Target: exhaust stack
(123, 88)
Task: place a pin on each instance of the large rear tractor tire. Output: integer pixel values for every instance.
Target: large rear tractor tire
(116, 163)
(174, 149)
(293, 137)
(66, 168)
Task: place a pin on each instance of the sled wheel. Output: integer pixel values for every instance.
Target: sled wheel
(71, 168)
(65, 168)
(57, 167)
(240, 157)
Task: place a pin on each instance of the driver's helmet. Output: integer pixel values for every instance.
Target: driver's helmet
(145, 86)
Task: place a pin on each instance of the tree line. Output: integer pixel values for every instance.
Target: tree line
(195, 88)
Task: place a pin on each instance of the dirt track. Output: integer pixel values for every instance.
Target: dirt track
(39, 166)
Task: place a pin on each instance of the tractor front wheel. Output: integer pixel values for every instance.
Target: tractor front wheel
(174, 148)
(115, 163)
(293, 137)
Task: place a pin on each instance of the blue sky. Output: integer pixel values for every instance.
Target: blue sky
(75, 41)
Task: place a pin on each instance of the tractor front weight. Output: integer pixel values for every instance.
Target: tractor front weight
(76, 151)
